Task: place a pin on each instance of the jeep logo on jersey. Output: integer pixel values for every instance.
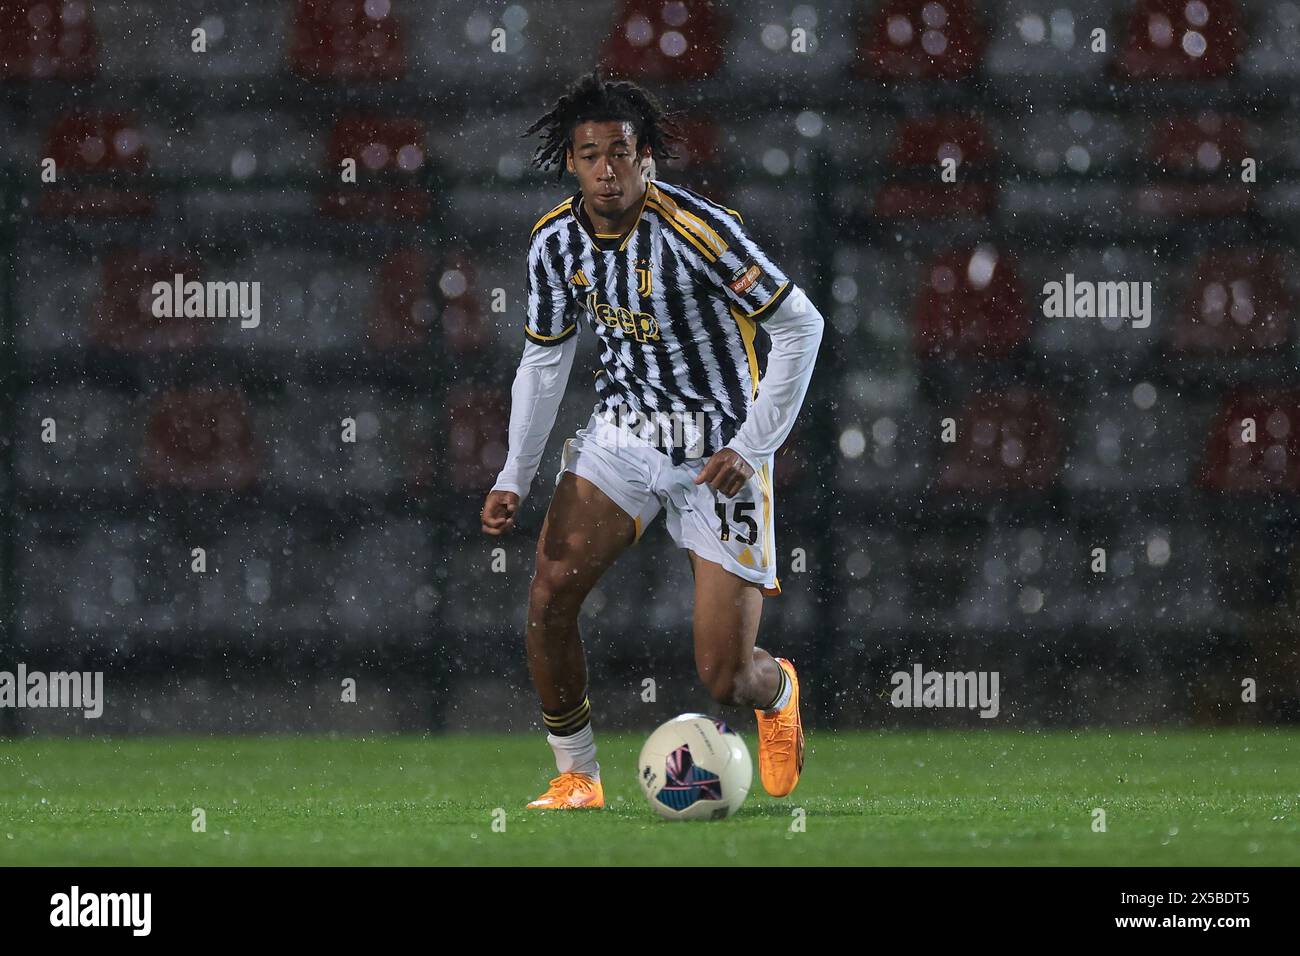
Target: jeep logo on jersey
(745, 277)
(640, 325)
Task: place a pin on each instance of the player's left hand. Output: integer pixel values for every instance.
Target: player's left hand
(725, 472)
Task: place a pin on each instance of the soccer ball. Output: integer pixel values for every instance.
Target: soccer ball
(695, 768)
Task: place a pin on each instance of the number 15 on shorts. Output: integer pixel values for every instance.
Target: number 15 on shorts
(740, 515)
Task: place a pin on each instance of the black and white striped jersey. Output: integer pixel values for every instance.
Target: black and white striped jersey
(677, 302)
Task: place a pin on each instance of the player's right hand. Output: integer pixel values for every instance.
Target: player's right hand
(499, 512)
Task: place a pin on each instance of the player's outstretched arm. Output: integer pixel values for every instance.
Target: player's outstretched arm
(535, 399)
(796, 330)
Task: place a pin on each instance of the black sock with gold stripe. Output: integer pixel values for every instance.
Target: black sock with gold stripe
(569, 722)
(781, 688)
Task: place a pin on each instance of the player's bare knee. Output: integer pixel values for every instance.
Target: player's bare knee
(556, 591)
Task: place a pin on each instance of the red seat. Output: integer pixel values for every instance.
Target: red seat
(920, 146)
(1205, 146)
(700, 164)
(1237, 302)
(971, 304)
(1178, 39)
(390, 155)
(201, 439)
(1272, 461)
(346, 40)
(921, 39)
(402, 313)
(47, 38)
(1005, 441)
(921, 201)
(700, 146)
(927, 140)
(653, 41)
(95, 143)
(478, 420)
(1207, 143)
(122, 317)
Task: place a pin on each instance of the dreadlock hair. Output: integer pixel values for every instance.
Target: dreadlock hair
(592, 99)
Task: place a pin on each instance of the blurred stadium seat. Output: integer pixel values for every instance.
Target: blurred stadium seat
(1237, 301)
(872, 578)
(56, 292)
(346, 40)
(122, 317)
(1083, 142)
(475, 435)
(655, 42)
(700, 146)
(96, 446)
(47, 39)
(1045, 39)
(1129, 438)
(1024, 578)
(312, 301)
(970, 305)
(303, 430)
(464, 321)
(1180, 39)
(96, 142)
(1158, 576)
(887, 436)
(761, 48)
(1268, 461)
(921, 149)
(243, 146)
(1009, 440)
(125, 575)
(922, 39)
(391, 152)
(382, 582)
(1202, 149)
(402, 310)
(201, 439)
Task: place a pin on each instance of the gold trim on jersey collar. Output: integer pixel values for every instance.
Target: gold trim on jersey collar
(577, 214)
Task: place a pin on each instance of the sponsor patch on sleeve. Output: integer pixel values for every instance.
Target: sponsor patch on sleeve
(745, 277)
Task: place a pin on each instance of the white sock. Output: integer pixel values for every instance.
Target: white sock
(576, 753)
(787, 689)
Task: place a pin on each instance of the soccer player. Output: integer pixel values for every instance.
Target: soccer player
(707, 348)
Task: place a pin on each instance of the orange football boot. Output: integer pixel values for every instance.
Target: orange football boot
(571, 791)
(780, 741)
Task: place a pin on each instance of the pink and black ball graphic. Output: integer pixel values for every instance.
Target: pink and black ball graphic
(686, 783)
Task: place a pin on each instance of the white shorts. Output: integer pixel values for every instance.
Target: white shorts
(738, 533)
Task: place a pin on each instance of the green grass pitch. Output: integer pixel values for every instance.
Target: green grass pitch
(1224, 797)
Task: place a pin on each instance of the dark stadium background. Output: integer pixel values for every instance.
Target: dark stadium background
(328, 560)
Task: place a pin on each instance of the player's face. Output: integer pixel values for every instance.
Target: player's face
(610, 171)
